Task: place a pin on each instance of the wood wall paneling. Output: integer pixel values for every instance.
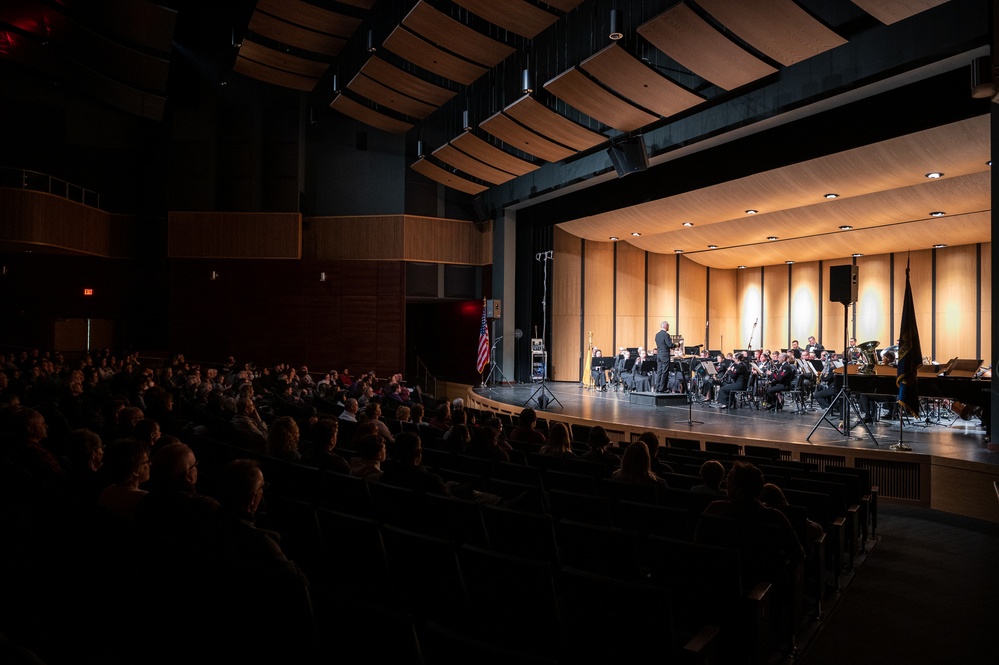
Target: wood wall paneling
(662, 293)
(775, 311)
(956, 303)
(567, 305)
(873, 301)
(724, 312)
(234, 235)
(750, 304)
(804, 314)
(447, 241)
(598, 282)
(45, 219)
(985, 278)
(693, 296)
(631, 327)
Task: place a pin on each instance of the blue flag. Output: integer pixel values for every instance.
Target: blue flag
(910, 354)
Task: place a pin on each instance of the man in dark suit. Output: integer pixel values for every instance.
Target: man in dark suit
(663, 345)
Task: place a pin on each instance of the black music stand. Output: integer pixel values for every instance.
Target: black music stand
(603, 363)
(690, 402)
(843, 397)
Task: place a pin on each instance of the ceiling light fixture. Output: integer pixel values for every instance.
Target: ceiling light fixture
(941, 246)
(937, 213)
(742, 267)
(789, 262)
(636, 234)
(712, 246)
(525, 78)
(845, 227)
(614, 238)
(678, 251)
(772, 238)
(688, 223)
(371, 41)
(933, 175)
(751, 211)
(857, 255)
(831, 196)
(615, 26)
(465, 124)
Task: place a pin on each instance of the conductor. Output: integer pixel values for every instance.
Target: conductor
(663, 345)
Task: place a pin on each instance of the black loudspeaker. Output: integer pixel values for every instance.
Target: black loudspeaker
(843, 284)
(629, 156)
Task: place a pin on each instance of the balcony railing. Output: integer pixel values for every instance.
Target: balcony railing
(40, 182)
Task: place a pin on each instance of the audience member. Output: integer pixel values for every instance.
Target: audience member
(598, 441)
(559, 442)
(367, 463)
(712, 475)
(406, 468)
(320, 454)
(636, 467)
(525, 430)
(282, 439)
(127, 468)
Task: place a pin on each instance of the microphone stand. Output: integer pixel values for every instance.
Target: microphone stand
(753, 332)
(690, 405)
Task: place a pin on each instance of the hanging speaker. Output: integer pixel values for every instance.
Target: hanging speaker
(843, 283)
(629, 156)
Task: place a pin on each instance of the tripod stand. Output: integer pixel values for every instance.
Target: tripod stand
(542, 395)
(843, 397)
(492, 379)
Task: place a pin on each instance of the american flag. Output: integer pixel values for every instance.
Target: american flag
(483, 342)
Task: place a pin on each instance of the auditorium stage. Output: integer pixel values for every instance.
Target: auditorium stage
(950, 466)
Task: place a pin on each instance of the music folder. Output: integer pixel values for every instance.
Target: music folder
(709, 367)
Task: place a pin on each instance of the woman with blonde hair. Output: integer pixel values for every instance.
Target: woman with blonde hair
(282, 439)
(636, 467)
(559, 442)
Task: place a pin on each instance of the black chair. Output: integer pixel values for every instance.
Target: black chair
(522, 534)
(353, 562)
(569, 482)
(588, 508)
(527, 475)
(773, 454)
(598, 549)
(729, 449)
(347, 494)
(424, 569)
(622, 491)
(454, 519)
(645, 519)
(442, 645)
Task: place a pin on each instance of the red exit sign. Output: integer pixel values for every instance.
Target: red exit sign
(88, 292)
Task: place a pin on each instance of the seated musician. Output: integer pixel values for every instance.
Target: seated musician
(868, 402)
(737, 376)
(852, 352)
(640, 380)
(826, 388)
(599, 374)
(622, 370)
(780, 381)
(805, 379)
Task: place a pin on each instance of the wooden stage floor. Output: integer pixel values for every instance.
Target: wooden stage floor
(950, 464)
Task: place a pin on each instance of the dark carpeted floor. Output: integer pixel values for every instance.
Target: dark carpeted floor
(928, 593)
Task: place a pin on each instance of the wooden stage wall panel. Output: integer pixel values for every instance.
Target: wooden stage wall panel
(630, 324)
(242, 235)
(873, 300)
(566, 306)
(750, 303)
(724, 312)
(832, 313)
(956, 304)
(775, 311)
(398, 237)
(804, 315)
(662, 291)
(986, 280)
(598, 284)
(693, 298)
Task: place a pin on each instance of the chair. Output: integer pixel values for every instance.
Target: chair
(424, 569)
(588, 508)
(348, 494)
(569, 482)
(645, 519)
(353, 558)
(454, 519)
(512, 600)
(445, 646)
(296, 521)
(522, 534)
(728, 449)
(598, 549)
(773, 454)
(868, 491)
(621, 491)
(528, 475)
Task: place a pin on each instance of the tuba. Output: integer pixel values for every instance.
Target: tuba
(868, 357)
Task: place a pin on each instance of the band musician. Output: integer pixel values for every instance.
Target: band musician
(664, 343)
(780, 381)
(736, 377)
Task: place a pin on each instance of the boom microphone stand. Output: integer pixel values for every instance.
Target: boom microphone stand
(843, 396)
(543, 396)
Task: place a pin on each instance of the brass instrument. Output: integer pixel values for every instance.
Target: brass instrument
(678, 350)
(868, 357)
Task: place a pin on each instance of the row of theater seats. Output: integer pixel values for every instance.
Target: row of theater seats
(538, 573)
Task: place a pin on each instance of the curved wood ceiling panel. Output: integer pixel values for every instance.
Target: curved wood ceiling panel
(450, 155)
(485, 152)
(891, 11)
(310, 16)
(564, 5)
(362, 4)
(423, 54)
(881, 186)
(779, 28)
(406, 83)
(368, 116)
(439, 28)
(687, 38)
(434, 172)
(542, 120)
(629, 77)
(386, 96)
(295, 35)
(269, 74)
(517, 16)
(510, 132)
(279, 60)
(574, 88)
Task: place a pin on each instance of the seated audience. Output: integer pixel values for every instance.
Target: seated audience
(636, 467)
(525, 430)
(127, 468)
(323, 440)
(282, 439)
(712, 475)
(367, 463)
(406, 469)
(559, 442)
(598, 441)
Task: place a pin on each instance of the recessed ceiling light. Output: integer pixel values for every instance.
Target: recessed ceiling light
(772, 238)
(688, 223)
(789, 262)
(751, 211)
(939, 246)
(742, 267)
(988, 163)
(614, 238)
(832, 196)
(857, 256)
(712, 246)
(937, 213)
(934, 175)
(845, 227)
(636, 234)
(678, 251)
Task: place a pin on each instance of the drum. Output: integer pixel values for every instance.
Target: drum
(965, 411)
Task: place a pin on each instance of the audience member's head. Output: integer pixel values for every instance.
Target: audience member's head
(636, 464)
(744, 482)
(651, 441)
(86, 450)
(371, 447)
(283, 435)
(559, 442)
(323, 434)
(598, 438)
(416, 413)
(408, 448)
(241, 486)
(174, 468)
(126, 462)
(402, 414)
(147, 430)
(772, 496)
(713, 473)
(528, 418)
